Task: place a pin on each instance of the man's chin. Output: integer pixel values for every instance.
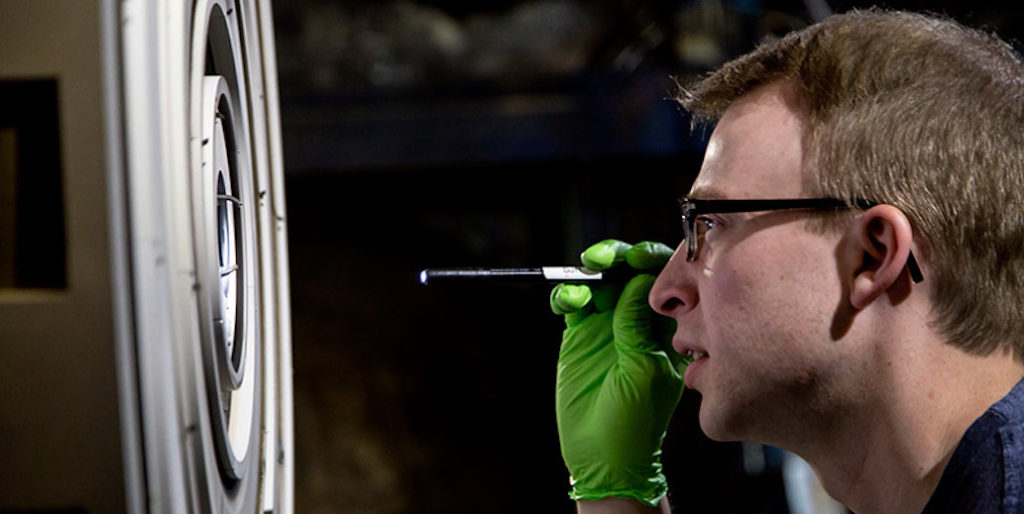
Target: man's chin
(718, 427)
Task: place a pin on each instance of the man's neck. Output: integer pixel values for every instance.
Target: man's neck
(888, 453)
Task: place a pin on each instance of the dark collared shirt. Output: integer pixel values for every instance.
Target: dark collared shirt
(985, 475)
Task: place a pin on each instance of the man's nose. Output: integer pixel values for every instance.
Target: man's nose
(674, 292)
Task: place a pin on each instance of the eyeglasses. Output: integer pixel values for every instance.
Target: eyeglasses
(695, 226)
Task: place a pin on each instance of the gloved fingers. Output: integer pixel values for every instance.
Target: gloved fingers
(645, 255)
(636, 325)
(566, 298)
(586, 346)
(605, 254)
(606, 296)
(648, 255)
(574, 301)
(576, 317)
(577, 301)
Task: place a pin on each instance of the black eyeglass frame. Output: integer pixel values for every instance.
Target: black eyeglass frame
(692, 208)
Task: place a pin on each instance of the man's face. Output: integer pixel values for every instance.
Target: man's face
(759, 300)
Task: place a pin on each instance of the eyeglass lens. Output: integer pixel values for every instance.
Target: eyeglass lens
(691, 236)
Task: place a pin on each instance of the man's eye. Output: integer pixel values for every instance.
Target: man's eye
(705, 223)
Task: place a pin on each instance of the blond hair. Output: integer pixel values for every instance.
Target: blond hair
(924, 114)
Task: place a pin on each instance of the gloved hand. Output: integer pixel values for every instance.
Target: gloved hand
(618, 378)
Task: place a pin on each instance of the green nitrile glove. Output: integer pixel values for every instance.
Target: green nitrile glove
(618, 379)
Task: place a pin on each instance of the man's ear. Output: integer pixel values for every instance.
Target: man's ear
(882, 237)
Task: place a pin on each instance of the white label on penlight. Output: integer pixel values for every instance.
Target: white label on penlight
(570, 273)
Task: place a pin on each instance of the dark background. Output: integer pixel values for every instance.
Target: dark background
(505, 133)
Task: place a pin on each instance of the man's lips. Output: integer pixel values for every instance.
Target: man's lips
(695, 356)
(697, 360)
(689, 350)
(693, 370)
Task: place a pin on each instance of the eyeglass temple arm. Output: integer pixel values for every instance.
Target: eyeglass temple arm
(914, 269)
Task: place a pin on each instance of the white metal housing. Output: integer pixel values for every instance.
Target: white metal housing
(158, 379)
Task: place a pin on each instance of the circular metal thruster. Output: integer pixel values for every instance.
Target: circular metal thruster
(209, 258)
(231, 250)
(227, 260)
(225, 273)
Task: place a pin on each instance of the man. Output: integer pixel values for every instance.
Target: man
(870, 320)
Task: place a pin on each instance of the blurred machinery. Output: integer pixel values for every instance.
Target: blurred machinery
(145, 348)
